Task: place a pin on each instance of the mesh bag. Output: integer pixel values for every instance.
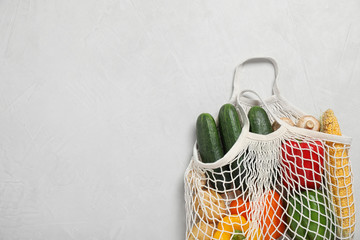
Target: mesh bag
(293, 183)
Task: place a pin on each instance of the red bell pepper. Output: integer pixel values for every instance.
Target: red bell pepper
(302, 163)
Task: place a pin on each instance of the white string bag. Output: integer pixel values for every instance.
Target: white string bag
(284, 185)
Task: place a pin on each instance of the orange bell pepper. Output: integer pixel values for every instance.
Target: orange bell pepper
(271, 213)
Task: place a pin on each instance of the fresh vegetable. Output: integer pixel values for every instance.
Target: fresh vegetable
(260, 124)
(236, 227)
(229, 125)
(227, 226)
(268, 212)
(337, 159)
(238, 235)
(208, 139)
(230, 130)
(302, 163)
(276, 125)
(308, 122)
(309, 217)
(210, 149)
(259, 121)
(209, 205)
(202, 231)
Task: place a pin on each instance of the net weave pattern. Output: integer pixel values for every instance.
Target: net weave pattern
(290, 184)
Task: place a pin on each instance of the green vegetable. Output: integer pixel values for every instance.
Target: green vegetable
(260, 124)
(259, 121)
(229, 125)
(238, 235)
(309, 217)
(230, 130)
(211, 150)
(208, 139)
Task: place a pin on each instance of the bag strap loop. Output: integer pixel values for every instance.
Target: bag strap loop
(277, 119)
(238, 75)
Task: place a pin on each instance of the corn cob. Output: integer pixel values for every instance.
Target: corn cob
(340, 180)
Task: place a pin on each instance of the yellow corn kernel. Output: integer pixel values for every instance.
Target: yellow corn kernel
(340, 176)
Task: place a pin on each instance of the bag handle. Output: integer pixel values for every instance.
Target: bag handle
(238, 75)
(277, 119)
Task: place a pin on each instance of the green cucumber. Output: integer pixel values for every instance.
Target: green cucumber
(259, 121)
(230, 130)
(208, 139)
(260, 124)
(229, 125)
(211, 150)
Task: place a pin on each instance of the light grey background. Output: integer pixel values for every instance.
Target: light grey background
(98, 101)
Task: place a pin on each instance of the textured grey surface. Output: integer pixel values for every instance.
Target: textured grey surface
(98, 101)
